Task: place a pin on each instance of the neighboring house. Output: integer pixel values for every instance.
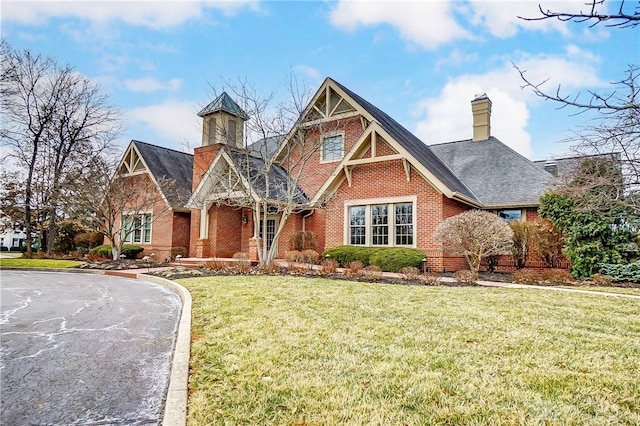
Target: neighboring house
(12, 239)
(163, 226)
(370, 182)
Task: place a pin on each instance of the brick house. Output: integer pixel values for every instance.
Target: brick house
(366, 180)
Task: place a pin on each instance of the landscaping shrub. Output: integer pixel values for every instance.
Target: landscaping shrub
(526, 276)
(629, 272)
(310, 256)
(429, 279)
(600, 280)
(523, 235)
(558, 276)
(395, 258)
(270, 269)
(353, 268)
(88, 240)
(293, 256)
(178, 250)
(390, 259)
(372, 272)
(129, 251)
(466, 277)
(301, 241)
(329, 266)
(242, 266)
(409, 272)
(347, 254)
(215, 265)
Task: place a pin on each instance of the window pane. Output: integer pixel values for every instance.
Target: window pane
(137, 230)
(404, 224)
(510, 215)
(128, 228)
(357, 226)
(332, 148)
(379, 225)
(147, 228)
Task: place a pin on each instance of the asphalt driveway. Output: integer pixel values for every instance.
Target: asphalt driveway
(84, 349)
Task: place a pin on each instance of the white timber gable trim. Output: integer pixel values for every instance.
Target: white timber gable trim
(134, 163)
(222, 172)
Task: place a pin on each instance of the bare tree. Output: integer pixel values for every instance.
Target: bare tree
(475, 234)
(614, 134)
(56, 123)
(624, 17)
(117, 205)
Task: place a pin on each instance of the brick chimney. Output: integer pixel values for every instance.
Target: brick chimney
(481, 108)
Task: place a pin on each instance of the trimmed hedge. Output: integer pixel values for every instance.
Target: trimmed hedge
(629, 272)
(129, 251)
(389, 259)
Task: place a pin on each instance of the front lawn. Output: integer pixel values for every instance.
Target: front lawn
(39, 263)
(296, 351)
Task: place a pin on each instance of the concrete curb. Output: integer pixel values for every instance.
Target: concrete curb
(175, 409)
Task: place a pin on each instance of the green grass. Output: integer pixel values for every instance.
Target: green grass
(295, 351)
(621, 290)
(39, 263)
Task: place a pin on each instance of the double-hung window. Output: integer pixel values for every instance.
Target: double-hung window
(137, 228)
(332, 147)
(381, 224)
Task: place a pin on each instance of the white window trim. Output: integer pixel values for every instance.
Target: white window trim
(330, 135)
(130, 236)
(368, 202)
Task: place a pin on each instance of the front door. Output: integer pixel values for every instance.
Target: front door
(271, 231)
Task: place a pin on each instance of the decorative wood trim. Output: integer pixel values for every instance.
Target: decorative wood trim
(347, 173)
(407, 169)
(375, 159)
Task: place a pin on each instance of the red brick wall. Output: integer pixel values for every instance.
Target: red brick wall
(388, 179)
(202, 158)
(227, 231)
(532, 214)
(315, 172)
(181, 229)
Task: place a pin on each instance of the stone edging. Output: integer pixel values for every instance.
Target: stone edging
(175, 409)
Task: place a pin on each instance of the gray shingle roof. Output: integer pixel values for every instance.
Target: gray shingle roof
(169, 164)
(567, 165)
(266, 147)
(253, 169)
(418, 149)
(224, 103)
(496, 174)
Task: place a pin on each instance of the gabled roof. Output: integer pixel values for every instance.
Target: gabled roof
(224, 103)
(249, 171)
(281, 186)
(414, 146)
(566, 166)
(168, 164)
(496, 174)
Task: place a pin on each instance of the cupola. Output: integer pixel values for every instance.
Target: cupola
(223, 122)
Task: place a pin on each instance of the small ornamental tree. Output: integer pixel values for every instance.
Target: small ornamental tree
(475, 234)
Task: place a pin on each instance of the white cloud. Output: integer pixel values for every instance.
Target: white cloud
(429, 24)
(447, 116)
(311, 72)
(146, 13)
(150, 85)
(172, 123)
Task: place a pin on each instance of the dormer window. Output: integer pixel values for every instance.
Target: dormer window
(232, 131)
(212, 131)
(332, 147)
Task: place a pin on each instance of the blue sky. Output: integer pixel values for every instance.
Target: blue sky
(420, 61)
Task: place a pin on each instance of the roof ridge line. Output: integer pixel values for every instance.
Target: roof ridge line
(162, 147)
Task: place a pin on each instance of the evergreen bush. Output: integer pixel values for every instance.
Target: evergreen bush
(629, 272)
(129, 251)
